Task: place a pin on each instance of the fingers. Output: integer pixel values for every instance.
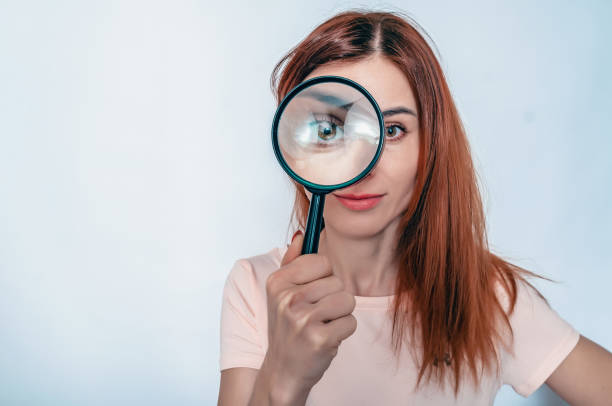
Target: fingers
(334, 306)
(304, 268)
(307, 268)
(318, 289)
(294, 249)
(339, 329)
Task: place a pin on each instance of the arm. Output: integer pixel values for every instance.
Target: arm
(269, 390)
(252, 387)
(584, 378)
(236, 386)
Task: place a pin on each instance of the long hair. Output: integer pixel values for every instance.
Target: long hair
(448, 278)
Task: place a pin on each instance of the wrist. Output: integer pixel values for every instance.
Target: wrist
(282, 389)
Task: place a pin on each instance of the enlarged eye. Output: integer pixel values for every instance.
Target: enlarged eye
(326, 130)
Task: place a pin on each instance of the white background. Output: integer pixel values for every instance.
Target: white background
(136, 167)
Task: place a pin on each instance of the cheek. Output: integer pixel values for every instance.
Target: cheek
(399, 165)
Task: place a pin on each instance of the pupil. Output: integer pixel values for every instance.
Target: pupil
(326, 132)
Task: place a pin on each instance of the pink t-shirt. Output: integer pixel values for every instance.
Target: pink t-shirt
(364, 370)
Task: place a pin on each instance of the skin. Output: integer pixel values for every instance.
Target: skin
(359, 244)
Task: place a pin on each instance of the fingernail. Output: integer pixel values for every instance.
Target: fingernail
(295, 235)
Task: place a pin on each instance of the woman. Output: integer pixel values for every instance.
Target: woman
(404, 303)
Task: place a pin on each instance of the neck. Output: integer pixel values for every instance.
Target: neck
(364, 264)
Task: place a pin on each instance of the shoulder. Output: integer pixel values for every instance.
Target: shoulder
(254, 270)
(243, 310)
(539, 339)
(526, 312)
(524, 294)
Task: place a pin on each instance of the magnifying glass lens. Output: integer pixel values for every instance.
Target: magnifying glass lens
(329, 133)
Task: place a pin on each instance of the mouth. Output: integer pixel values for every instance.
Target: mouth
(359, 202)
(356, 197)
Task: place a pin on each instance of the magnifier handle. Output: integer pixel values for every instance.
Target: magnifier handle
(313, 226)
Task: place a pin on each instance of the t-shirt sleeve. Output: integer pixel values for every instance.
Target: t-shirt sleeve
(241, 339)
(542, 340)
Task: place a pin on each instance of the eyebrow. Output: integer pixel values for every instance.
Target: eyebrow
(398, 110)
(330, 99)
(341, 103)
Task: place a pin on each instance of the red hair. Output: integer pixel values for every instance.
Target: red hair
(447, 276)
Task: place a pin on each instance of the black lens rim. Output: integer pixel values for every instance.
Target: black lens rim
(313, 187)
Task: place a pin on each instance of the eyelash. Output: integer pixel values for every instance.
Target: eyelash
(328, 117)
(396, 138)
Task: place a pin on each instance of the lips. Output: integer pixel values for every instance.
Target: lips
(358, 202)
(356, 197)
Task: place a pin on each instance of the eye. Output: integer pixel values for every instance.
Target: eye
(394, 132)
(327, 129)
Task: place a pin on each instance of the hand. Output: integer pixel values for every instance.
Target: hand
(309, 315)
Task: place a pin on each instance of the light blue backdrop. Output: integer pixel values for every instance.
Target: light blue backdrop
(135, 167)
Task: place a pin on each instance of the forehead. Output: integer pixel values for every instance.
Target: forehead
(379, 76)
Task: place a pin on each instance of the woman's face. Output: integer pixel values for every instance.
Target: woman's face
(395, 173)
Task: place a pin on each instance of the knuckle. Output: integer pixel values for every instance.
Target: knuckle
(284, 300)
(317, 339)
(297, 295)
(300, 320)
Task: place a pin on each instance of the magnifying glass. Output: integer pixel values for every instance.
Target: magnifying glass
(327, 133)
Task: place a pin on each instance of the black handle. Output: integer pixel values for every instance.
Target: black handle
(314, 224)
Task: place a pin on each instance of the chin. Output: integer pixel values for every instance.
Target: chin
(360, 225)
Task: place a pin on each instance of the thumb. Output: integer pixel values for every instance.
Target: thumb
(294, 249)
